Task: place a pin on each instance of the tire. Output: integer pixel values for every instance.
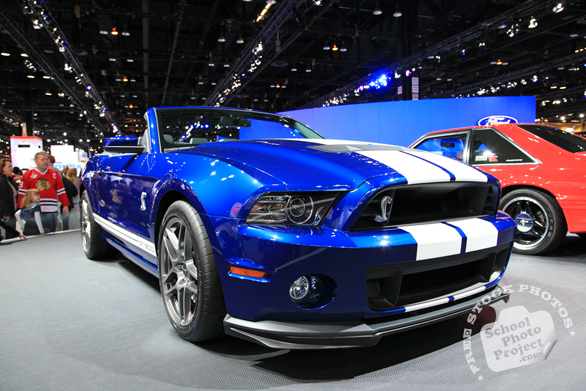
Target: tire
(188, 275)
(94, 245)
(541, 225)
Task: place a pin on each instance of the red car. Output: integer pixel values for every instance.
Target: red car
(542, 171)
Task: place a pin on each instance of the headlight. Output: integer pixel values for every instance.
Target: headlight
(291, 208)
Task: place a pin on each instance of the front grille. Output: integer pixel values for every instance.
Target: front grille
(428, 202)
(397, 285)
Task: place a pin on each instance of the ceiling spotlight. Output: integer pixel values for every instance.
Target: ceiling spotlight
(23, 55)
(129, 60)
(397, 13)
(30, 76)
(327, 46)
(114, 31)
(377, 10)
(5, 54)
(293, 68)
(103, 32)
(221, 38)
(240, 40)
(533, 22)
(272, 2)
(513, 30)
(335, 48)
(37, 25)
(559, 7)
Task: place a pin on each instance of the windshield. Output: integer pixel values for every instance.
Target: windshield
(564, 140)
(186, 127)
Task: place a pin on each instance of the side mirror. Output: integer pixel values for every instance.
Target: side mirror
(123, 144)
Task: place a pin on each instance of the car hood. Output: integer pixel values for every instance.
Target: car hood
(317, 164)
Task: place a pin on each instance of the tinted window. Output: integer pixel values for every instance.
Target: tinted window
(450, 146)
(489, 147)
(564, 140)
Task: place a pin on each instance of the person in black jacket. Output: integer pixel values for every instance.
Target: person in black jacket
(71, 192)
(8, 194)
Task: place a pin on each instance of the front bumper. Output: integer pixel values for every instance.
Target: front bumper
(291, 335)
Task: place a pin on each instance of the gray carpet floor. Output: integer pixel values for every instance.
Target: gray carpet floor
(68, 323)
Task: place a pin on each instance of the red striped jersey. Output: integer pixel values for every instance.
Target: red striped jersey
(49, 184)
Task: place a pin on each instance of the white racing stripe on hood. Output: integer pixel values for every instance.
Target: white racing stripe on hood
(461, 171)
(414, 169)
(328, 141)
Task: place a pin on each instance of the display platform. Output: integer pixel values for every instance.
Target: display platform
(70, 323)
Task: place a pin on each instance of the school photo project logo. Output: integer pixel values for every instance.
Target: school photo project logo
(518, 337)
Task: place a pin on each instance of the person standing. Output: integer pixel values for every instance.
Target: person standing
(8, 195)
(50, 185)
(71, 192)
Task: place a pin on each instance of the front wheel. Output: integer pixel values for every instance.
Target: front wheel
(541, 225)
(188, 275)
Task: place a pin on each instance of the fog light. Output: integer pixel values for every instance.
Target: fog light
(299, 288)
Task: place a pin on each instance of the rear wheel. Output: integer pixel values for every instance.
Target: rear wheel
(541, 225)
(94, 245)
(188, 275)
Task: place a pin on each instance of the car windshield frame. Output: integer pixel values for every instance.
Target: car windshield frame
(561, 139)
(181, 128)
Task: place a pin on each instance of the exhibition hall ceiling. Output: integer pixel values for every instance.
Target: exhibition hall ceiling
(80, 70)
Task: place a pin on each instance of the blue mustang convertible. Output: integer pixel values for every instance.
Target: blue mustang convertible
(260, 228)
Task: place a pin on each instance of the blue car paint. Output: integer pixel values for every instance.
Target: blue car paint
(223, 181)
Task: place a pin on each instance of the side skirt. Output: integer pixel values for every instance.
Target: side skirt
(134, 257)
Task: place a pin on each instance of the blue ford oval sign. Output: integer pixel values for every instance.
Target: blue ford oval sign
(497, 119)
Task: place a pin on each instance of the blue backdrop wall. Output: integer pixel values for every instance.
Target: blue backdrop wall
(402, 122)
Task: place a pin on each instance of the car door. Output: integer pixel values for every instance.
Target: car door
(125, 189)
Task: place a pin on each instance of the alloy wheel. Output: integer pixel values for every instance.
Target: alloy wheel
(532, 221)
(179, 274)
(86, 231)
